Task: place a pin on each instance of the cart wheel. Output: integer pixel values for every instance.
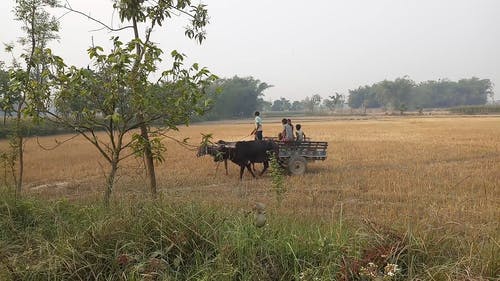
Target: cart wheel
(297, 165)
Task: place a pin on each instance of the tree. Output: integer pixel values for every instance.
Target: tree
(102, 98)
(402, 108)
(152, 13)
(281, 104)
(333, 101)
(364, 97)
(297, 105)
(395, 93)
(237, 97)
(264, 105)
(28, 81)
(311, 102)
(117, 95)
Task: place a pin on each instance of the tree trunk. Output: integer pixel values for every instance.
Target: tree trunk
(148, 154)
(20, 152)
(110, 180)
(148, 158)
(19, 129)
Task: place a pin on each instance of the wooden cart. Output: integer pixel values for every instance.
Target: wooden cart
(295, 155)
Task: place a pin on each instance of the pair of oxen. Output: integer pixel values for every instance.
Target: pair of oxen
(242, 153)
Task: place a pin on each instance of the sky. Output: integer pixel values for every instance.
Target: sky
(310, 47)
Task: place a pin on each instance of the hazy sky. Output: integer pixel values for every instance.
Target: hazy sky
(313, 47)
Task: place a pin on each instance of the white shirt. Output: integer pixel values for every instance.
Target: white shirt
(300, 135)
(288, 132)
(258, 123)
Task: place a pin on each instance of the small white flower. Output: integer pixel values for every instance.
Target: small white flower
(391, 269)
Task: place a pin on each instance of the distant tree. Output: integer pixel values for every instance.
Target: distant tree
(357, 97)
(297, 106)
(334, 101)
(311, 102)
(308, 105)
(328, 103)
(277, 105)
(286, 104)
(238, 97)
(264, 105)
(402, 108)
(420, 110)
(281, 104)
(363, 97)
(474, 91)
(395, 93)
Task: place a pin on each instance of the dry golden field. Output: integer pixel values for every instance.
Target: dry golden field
(439, 172)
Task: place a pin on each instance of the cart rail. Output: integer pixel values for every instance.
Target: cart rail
(310, 150)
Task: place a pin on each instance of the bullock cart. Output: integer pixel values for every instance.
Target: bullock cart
(294, 155)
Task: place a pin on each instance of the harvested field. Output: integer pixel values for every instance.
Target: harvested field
(390, 170)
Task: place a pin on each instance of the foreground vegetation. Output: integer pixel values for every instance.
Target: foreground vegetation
(143, 240)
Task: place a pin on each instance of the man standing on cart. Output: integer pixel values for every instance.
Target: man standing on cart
(258, 127)
(287, 134)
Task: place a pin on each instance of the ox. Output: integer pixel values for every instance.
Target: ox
(242, 153)
(217, 151)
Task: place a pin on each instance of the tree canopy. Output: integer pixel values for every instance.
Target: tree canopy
(236, 97)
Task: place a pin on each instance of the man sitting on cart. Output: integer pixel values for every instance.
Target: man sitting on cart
(299, 133)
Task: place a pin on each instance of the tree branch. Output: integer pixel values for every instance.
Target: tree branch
(177, 9)
(68, 7)
(181, 143)
(126, 156)
(58, 143)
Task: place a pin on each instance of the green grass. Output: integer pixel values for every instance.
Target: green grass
(145, 240)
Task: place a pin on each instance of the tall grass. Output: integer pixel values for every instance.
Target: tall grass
(144, 240)
(477, 109)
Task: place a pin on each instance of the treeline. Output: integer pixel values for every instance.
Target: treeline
(240, 97)
(308, 104)
(403, 93)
